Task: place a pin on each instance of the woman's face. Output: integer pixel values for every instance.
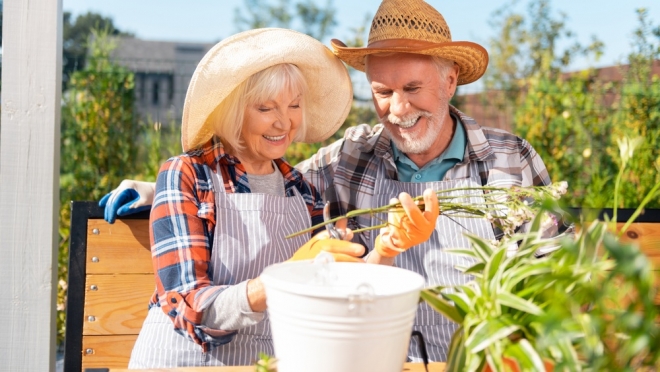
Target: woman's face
(269, 127)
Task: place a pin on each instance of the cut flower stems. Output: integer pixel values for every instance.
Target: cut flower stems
(505, 207)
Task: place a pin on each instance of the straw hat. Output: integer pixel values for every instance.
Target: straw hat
(233, 60)
(413, 26)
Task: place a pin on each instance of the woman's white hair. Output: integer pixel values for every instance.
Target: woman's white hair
(443, 65)
(227, 119)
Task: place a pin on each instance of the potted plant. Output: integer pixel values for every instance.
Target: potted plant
(587, 306)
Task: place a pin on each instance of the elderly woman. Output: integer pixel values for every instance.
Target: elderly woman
(222, 209)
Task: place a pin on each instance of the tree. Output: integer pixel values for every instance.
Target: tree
(306, 16)
(637, 113)
(75, 34)
(522, 48)
(98, 139)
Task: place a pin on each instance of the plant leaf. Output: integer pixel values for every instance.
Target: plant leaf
(460, 300)
(456, 354)
(464, 252)
(481, 247)
(535, 268)
(476, 269)
(526, 356)
(495, 263)
(488, 332)
(441, 305)
(515, 302)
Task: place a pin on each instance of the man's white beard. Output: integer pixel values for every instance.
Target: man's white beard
(408, 143)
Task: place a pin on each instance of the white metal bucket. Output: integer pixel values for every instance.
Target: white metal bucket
(340, 317)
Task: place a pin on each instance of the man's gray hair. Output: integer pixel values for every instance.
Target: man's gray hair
(443, 65)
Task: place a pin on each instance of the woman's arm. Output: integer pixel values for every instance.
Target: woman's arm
(181, 223)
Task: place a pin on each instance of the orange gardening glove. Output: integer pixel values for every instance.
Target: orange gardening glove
(407, 226)
(341, 250)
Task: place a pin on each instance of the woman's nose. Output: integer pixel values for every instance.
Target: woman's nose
(283, 121)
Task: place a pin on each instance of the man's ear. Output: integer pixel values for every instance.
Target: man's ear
(452, 78)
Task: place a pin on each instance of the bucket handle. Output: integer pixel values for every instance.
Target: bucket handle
(362, 298)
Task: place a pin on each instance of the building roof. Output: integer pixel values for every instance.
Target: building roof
(157, 56)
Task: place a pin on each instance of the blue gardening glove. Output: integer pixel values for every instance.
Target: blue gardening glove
(130, 197)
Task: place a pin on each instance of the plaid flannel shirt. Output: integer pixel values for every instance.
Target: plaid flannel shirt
(344, 172)
(182, 224)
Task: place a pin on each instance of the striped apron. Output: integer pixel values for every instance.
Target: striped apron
(249, 235)
(430, 259)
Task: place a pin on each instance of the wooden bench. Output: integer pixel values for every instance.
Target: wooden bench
(111, 281)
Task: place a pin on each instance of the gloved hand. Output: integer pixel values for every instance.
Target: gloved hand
(130, 197)
(341, 250)
(409, 226)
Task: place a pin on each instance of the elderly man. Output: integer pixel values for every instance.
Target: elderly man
(413, 68)
(423, 142)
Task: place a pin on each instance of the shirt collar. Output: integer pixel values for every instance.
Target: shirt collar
(213, 152)
(478, 147)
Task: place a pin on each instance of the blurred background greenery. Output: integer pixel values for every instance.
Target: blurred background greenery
(573, 119)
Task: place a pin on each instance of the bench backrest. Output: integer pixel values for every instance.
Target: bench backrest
(111, 281)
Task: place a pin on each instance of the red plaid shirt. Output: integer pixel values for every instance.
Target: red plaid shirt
(182, 225)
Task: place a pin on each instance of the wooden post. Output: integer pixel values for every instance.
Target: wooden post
(29, 187)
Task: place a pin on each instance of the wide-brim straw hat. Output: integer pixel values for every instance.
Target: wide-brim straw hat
(413, 26)
(234, 59)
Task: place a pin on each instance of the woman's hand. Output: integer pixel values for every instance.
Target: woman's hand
(342, 250)
(408, 226)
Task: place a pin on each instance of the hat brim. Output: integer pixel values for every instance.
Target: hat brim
(233, 60)
(471, 58)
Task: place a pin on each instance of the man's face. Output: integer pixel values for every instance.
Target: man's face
(411, 98)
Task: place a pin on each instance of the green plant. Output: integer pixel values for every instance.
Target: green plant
(586, 306)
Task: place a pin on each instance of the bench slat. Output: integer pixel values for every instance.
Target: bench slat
(122, 247)
(118, 305)
(647, 236)
(107, 351)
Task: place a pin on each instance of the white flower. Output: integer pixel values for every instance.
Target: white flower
(627, 147)
(563, 187)
(586, 153)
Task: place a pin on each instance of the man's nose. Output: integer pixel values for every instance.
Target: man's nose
(399, 104)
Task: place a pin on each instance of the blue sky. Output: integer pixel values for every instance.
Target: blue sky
(211, 20)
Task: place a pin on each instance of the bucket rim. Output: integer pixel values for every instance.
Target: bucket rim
(270, 280)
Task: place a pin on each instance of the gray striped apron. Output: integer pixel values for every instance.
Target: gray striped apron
(429, 259)
(249, 235)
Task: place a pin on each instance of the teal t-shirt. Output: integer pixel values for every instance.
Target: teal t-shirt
(435, 170)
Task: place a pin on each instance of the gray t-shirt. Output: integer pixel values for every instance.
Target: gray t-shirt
(272, 184)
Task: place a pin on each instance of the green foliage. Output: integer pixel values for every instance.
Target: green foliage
(75, 35)
(573, 119)
(266, 363)
(579, 308)
(589, 305)
(102, 144)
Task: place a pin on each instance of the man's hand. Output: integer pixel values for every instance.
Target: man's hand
(341, 250)
(409, 226)
(130, 197)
